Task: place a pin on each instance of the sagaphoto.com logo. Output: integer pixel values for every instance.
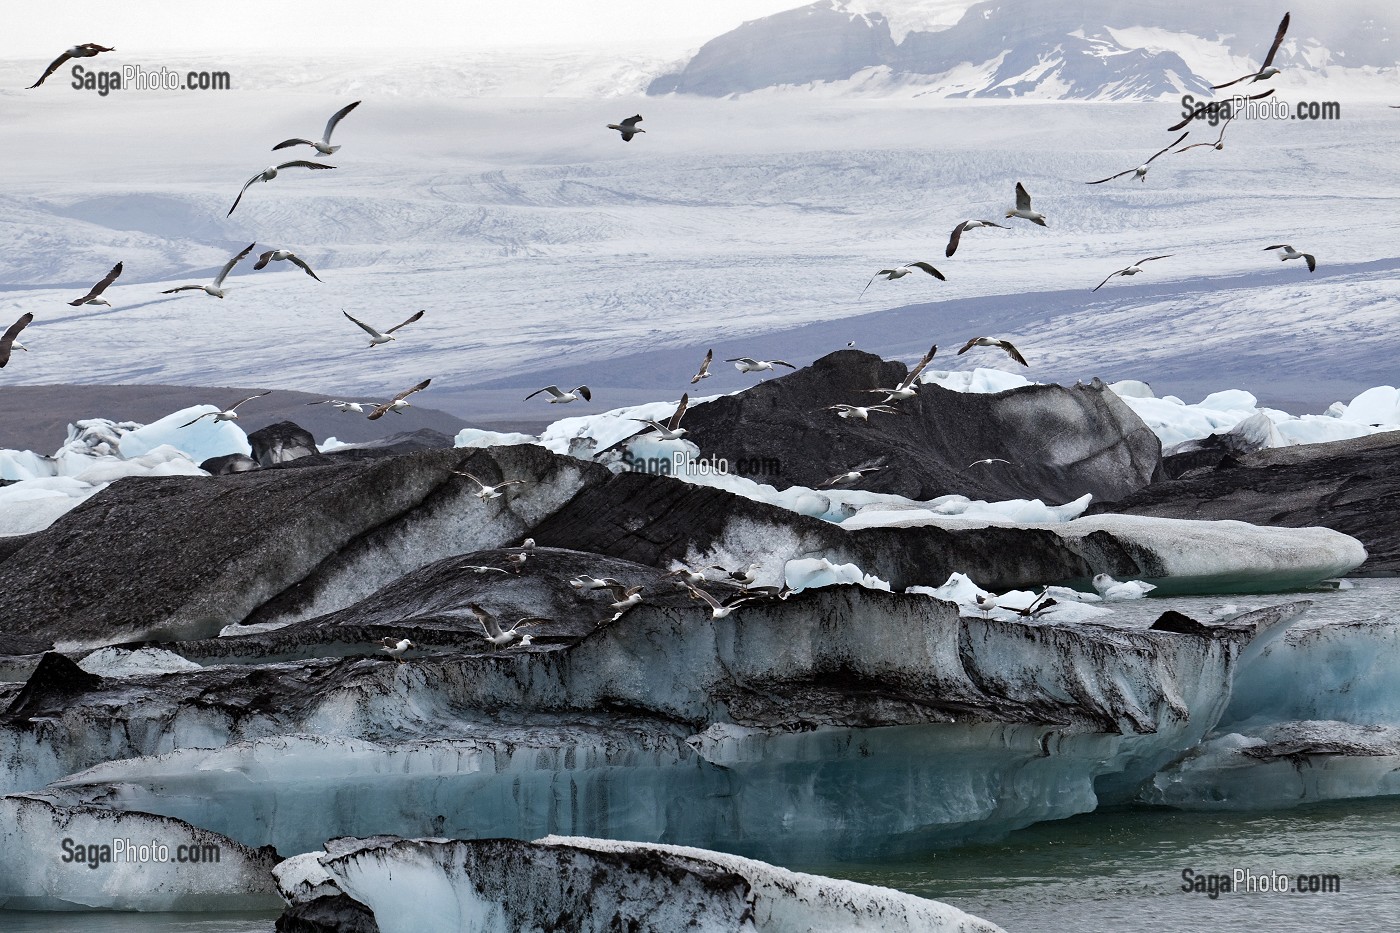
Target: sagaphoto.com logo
(138, 78)
(1242, 107)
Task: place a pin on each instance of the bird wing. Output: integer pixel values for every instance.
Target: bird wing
(867, 285)
(297, 260)
(704, 366)
(552, 390)
(1277, 246)
(631, 122)
(1169, 148)
(1278, 41)
(512, 482)
(1227, 125)
(1111, 177)
(293, 142)
(782, 363)
(675, 421)
(953, 240)
(182, 288)
(1311, 260)
(918, 368)
(585, 392)
(241, 192)
(205, 415)
(263, 260)
(969, 345)
(1216, 87)
(489, 625)
(57, 63)
(405, 323)
(1013, 352)
(742, 359)
(1154, 258)
(101, 287)
(228, 266)
(618, 591)
(7, 342)
(930, 270)
(235, 405)
(407, 392)
(1105, 281)
(1194, 146)
(697, 593)
(1023, 198)
(379, 412)
(302, 163)
(363, 326)
(336, 118)
(470, 477)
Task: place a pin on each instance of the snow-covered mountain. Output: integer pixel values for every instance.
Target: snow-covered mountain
(1084, 50)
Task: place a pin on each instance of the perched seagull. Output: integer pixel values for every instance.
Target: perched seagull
(228, 414)
(528, 544)
(859, 412)
(277, 255)
(496, 635)
(671, 430)
(270, 173)
(1134, 269)
(398, 403)
(986, 460)
(624, 598)
(356, 407)
(375, 337)
(323, 147)
(517, 561)
(704, 372)
(10, 342)
(849, 478)
(994, 342)
(1023, 207)
(1220, 142)
(747, 364)
(1266, 70)
(986, 603)
(909, 385)
(968, 225)
(901, 271)
(91, 298)
(216, 287)
(628, 127)
(1291, 253)
(563, 398)
(1140, 173)
(742, 577)
(489, 492)
(718, 610)
(86, 50)
(584, 583)
(395, 647)
(1110, 588)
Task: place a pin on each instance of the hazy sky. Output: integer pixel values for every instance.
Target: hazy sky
(323, 24)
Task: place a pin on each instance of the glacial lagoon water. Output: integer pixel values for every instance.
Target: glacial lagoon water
(1103, 872)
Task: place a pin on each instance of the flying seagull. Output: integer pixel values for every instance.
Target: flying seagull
(395, 647)
(10, 342)
(356, 407)
(91, 298)
(718, 610)
(850, 477)
(270, 173)
(746, 364)
(584, 583)
(323, 147)
(671, 430)
(994, 342)
(1023, 207)
(1266, 70)
(216, 287)
(228, 414)
(908, 386)
(489, 492)
(685, 574)
(563, 398)
(704, 372)
(628, 127)
(859, 412)
(498, 636)
(967, 225)
(901, 271)
(398, 403)
(1220, 142)
(86, 50)
(375, 337)
(277, 255)
(623, 597)
(1291, 253)
(1140, 173)
(986, 460)
(1134, 269)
